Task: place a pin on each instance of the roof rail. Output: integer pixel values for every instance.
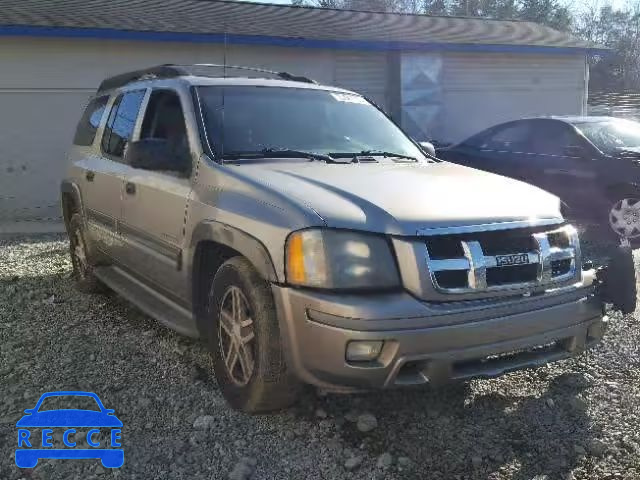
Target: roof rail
(161, 71)
(173, 71)
(282, 75)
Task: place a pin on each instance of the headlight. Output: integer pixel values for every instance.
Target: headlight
(340, 259)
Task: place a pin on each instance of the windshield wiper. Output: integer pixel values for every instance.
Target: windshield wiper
(279, 153)
(371, 153)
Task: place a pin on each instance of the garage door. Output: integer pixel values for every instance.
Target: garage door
(480, 90)
(365, 73)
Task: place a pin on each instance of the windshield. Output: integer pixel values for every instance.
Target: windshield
(259, 119)
(612, 135)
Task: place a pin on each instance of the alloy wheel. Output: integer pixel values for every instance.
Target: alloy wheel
(236, 335)
(624, 217)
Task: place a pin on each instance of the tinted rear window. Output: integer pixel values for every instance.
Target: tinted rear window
(88, 126)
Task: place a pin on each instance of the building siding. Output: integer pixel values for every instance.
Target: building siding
(481, 90)
(46, 83)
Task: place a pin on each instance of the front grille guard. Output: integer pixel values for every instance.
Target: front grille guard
(475, 263)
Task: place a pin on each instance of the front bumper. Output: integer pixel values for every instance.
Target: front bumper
(431, 343)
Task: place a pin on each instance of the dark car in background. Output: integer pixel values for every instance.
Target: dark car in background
(591, 163)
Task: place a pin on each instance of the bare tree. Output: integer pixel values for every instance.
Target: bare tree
(618, 29)
(409, 6)
(320, 3)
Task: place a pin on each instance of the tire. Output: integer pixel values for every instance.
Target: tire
(81, 258)
(254, 378)
(620, 287)
(624, 216)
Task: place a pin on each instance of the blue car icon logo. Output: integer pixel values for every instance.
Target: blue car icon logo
(77, 425)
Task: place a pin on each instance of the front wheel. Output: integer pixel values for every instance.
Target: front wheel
(244, 340)
(624, 217)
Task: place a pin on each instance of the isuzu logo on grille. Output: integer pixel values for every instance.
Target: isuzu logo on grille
(513, 259)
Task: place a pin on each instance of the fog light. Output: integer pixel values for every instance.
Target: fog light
(363, 350)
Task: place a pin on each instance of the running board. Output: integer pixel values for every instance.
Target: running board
(148, 300)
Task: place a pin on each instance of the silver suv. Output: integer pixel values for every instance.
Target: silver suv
(301, 234)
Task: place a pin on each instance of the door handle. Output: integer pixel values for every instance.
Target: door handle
(90, 175)
(130, 188)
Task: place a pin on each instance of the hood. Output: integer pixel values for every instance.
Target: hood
(401, 198)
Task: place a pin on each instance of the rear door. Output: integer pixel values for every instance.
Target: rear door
(101, 177)
(154, 200)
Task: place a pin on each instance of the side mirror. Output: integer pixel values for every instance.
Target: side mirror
(29, 411)
(156, 154)
(575, 151)
(428, 148)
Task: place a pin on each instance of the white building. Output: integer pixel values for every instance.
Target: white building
(441, 78)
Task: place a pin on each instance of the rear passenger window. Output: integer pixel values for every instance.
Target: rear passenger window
(122, 120)
(511, 138)
(90, 121)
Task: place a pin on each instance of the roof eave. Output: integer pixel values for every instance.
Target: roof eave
(346, 44)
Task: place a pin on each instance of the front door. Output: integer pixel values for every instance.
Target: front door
(566, 166)
(154, 201)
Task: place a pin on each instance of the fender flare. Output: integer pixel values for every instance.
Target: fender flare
(67, 187)
(613, 189)
(245, 244)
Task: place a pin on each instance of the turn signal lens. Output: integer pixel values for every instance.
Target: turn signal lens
(295, 259)
(306, 261)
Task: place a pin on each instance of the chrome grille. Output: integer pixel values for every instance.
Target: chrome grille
(510, 259)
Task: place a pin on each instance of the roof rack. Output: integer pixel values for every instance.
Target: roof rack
(173, 71)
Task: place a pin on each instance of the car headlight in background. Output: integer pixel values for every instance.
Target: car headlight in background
(337, 259)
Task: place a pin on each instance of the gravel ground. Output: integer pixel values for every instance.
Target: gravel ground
(577, 419)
